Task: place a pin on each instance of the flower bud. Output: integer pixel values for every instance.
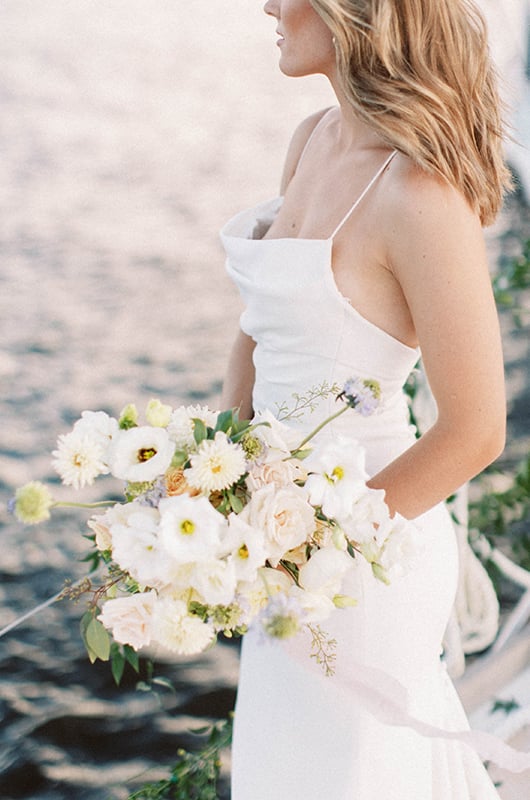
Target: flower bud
(128, 417)
(344, 601)
(158, 414)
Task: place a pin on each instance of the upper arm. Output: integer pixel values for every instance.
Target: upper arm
(296, 147)
(436, 251)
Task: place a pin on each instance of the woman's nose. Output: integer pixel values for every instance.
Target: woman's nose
(271, 7)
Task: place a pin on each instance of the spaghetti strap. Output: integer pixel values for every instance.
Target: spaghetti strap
(363, 193)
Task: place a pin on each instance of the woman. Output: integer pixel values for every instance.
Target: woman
(373, 253)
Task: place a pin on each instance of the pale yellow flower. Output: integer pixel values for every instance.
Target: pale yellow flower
(32, 503)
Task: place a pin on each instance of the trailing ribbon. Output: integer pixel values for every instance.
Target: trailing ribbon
(59, 596)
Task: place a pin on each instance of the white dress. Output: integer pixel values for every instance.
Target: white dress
(300, 735)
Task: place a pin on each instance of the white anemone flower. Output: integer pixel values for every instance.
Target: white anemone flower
(141, 454)
(137, 548)
(177, 630)
(278, 437)
(338, 477)
(217, 464)
(190, 528)
(324, 572)
(245, 545)
(180, 427)
(79, 459)
(368, 517)
(402, 549)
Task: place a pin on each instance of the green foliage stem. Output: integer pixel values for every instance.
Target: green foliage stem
(195, 776)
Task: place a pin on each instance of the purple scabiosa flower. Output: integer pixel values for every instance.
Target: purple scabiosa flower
(362, 394)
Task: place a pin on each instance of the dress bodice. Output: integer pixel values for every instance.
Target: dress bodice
(308, 334)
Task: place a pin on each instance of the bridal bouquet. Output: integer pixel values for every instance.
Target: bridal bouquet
(225, 522)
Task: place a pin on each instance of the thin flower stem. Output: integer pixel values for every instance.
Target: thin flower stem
(319, 428)
(70, 504)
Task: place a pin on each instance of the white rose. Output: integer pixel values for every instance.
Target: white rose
(130, 618)
(280, 473)
(283, 515)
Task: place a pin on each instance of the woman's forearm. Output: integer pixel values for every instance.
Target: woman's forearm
(436, 466)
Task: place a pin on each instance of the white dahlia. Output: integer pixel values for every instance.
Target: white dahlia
(181, 424)
(99, 426)
(79, 459)
(179, 631)
(217, 464)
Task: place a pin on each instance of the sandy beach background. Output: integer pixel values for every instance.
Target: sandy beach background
(130, 131)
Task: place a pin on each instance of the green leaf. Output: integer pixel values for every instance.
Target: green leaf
(225, 421)
(236, 503)
(200, 431)
(97, 640)
(301, 454)
(132, 657)
(117, 662)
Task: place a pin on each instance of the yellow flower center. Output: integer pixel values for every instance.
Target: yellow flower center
(243, 551)
(336, 475)
(187, 527)
(145, 453)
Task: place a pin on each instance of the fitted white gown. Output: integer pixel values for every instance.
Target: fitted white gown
(300, 735)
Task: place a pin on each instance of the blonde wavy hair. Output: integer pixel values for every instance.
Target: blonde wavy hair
(419, 73)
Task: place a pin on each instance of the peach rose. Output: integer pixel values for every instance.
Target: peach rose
(177, 484)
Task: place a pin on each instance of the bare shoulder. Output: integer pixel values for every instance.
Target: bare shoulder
(423, 214)
(296, 146)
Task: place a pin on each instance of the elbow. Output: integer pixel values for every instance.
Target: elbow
(488, 443)
(476, 443)
(494, 442)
